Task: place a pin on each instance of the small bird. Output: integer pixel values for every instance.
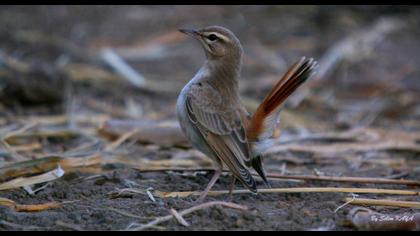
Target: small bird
(213, 118)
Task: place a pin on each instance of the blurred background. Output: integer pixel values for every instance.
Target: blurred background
(368, 56)
(93, 89)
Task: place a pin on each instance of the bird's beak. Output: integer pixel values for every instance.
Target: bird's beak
(191, 32)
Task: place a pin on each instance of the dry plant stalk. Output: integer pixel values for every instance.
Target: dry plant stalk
(112, 146)
(383, 202)
(179, 218)
(122, 68)
(22, 181)
(365, 219)
(188, 211)
(167, 165)
(291, 190)
(28, 208)
(358, 180)
(47, 163)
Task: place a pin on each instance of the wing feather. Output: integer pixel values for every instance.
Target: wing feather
(226, 139)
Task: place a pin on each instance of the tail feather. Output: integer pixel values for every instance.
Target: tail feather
(262, 123)
(257, 165)
(266, 116)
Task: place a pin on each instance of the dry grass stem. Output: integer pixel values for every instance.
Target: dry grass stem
(188, 211)
(120, 140)
(292, 190)
(383, 202)
(28, 208)
(22, 181)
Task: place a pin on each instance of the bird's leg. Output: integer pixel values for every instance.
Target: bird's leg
(213, 180)
(232, 186)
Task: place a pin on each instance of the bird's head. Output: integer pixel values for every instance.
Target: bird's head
(218, 42)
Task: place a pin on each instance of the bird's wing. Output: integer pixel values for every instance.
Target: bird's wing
(222, 130)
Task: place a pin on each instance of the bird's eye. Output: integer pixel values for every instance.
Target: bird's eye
(212, 37)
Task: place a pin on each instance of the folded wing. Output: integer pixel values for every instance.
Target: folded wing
(225, 135)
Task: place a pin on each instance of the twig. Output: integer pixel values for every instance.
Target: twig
(28, 208)
(384, 202)
(179, 218)
(120, 140)
(346, 203)
(122, 68)
(188, 211)
(292, 190)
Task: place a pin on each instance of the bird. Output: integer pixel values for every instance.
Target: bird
(214, 119)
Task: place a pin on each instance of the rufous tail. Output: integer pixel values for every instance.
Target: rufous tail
(262, 123)
(265, 117)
